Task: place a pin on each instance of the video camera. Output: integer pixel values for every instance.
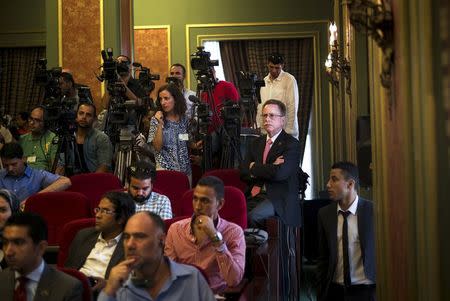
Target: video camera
(48, 78)
(145, 77)
(201, 60)
(249, 85)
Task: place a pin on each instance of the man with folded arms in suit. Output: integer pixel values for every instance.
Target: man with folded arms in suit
(346, 263)
(28, 277)
(95, 250)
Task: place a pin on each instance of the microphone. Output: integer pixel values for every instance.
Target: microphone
(194, 99)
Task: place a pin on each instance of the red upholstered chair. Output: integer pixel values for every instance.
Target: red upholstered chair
(87, 292)
(58, 208)
(234, 209)
(229, 176)
(94, 185)
(172, 184)
(68, 234)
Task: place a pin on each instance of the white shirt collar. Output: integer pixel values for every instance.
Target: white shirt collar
(116, 239)
(274, 136)
(352, 207)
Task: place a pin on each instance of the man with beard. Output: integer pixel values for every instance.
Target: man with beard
(141, 178)
(146, 274)
(95, 250)
(94, 147)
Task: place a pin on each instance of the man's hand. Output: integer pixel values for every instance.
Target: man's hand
(279, 160)
(205, 223)
(100, 284)
(119, 274)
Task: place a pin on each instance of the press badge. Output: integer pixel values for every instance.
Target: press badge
(31, 159)
(183, 137)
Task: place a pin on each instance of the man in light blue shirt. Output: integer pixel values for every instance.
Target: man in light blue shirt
(146, 274)
(23, 180)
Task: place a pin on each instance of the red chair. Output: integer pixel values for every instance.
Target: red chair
(87, 292)
(229, 176)
(234, 209)
(68, 234)
(172, 184)
(57, 209)
(94, 185)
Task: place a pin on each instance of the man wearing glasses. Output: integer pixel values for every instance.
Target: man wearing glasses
(38, 147)
(94, 251)
(282, 86)
(270, 170)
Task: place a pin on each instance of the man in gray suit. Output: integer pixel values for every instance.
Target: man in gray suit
(28, 277)
(94, 251)
(346, 263)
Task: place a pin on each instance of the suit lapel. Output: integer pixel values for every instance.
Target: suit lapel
(44, 287)
(276, 146)
(7, 288)
(261, 143)
(362, 220)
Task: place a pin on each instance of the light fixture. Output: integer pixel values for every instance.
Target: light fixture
(335, 64)
(374, 17)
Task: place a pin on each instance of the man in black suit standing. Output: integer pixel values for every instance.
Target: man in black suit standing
(94, 251)
(346, 264)
(270, 170)
(28, 277)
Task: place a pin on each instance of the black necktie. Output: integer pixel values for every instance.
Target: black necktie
(347, 279)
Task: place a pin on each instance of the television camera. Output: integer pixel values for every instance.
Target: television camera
(249, 89)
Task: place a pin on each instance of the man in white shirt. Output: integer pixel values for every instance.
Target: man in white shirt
(95, 250)
(28, 277)
(282, 86)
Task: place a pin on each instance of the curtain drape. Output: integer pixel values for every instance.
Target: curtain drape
(251, 55)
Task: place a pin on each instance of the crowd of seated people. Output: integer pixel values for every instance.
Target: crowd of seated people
(128, 253)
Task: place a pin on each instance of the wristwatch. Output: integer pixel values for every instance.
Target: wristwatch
(217, 237)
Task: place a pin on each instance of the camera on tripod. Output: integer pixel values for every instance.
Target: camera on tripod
(48, 78)
(249, 85)
(201, 60)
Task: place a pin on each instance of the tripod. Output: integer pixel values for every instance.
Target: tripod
(230, 134)
(72, 160)
(124, 150)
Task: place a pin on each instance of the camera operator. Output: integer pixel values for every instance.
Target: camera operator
(221, 92)
(68, 89)
(282, 86)
(38, 147)
(179, 71)
(134, 90)
(94, 147)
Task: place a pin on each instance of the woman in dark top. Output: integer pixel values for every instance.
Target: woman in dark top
(9, 204)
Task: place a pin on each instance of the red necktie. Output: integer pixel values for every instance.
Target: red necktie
(20, 293)
(256, 189)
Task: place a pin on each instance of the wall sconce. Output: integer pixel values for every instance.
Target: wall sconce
(335, 64)
(374, 17)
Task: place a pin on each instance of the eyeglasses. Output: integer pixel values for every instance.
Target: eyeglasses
(35, 120)
(103, 211)
(271, 116)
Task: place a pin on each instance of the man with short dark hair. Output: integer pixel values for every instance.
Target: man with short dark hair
(282, 86)
(38, 147)
(94, 147)
(94, 251)
(346, 263)
(23, 180)
(179, 71)
(141, 177)
(28, 277)
(205, 240)
(146, 274)
(270, 170)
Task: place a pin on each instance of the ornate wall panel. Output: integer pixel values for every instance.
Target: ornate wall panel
(152, 50)
(80, 41)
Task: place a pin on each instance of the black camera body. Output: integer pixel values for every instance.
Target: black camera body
(201, 60)
(48, 78)
(249, 85)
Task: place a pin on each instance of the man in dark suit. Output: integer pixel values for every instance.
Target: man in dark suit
(94, 251)
(28, 277)
(346, 263)
(270, 170)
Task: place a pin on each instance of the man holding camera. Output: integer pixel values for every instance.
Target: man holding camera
(68, 90)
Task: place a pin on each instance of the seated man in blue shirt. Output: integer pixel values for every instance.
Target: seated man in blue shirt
(23, 180)
(146, 274)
